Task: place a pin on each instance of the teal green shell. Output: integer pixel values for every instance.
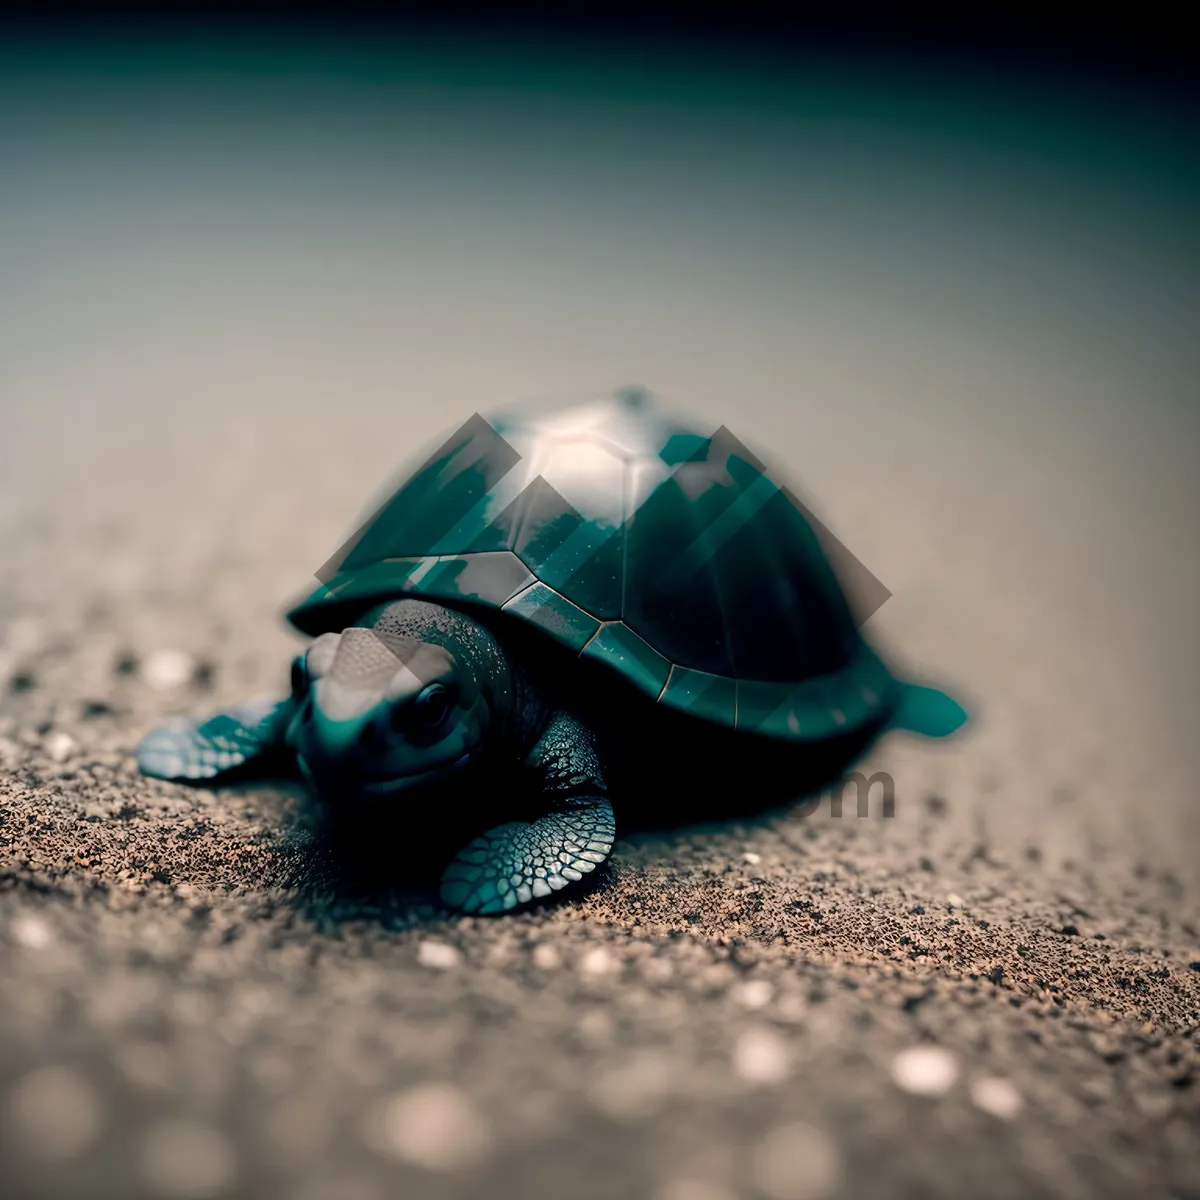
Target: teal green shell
(635, 540)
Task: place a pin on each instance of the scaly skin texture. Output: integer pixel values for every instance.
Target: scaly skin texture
(514, 705)
(360, 727)
(522, 861)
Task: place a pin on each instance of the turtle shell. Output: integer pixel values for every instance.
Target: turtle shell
(636, 539)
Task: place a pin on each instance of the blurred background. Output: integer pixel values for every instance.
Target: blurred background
(945, 279)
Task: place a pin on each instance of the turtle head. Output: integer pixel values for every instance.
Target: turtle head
(383, 708)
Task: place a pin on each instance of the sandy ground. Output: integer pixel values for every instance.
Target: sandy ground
(996, 993)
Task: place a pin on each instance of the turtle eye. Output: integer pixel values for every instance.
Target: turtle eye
(299, 677)
(433, 705)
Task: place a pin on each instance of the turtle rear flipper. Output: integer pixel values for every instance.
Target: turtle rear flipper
(928, 712)
(247, 736)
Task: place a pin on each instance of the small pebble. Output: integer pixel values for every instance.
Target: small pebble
(657, 970)
(340, 1187)
(186, 1160)
(597, 962)
(54, 1113)
(636, 1089)
(1154, 1105)
(792, 1008)
(432, 1125)
(60, 746)
(797, 1162)
(301, 1125)
(954, 899)
(686, 1188)
(754, 993)
(34, 933)
(146, 1065)
(167, 669)
(925, 1070)
(761, 1056)
(996, 1096)
(752, 858)
(24, 635)
(546, 957)
(596, 1027)
(438, 956)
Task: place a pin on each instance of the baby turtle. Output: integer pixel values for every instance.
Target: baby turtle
(551, 610)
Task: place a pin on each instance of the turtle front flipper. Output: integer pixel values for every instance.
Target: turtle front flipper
(229, 740)
(521, 861)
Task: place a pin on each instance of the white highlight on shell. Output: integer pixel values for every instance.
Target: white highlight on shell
(167, 669)
(438, 956)
(431, 1125)
(996, 1096)
(589, 476)
(797, 1161)
(54, 1113)
(187, 1160)
(760, 1055)
(925, 1070)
